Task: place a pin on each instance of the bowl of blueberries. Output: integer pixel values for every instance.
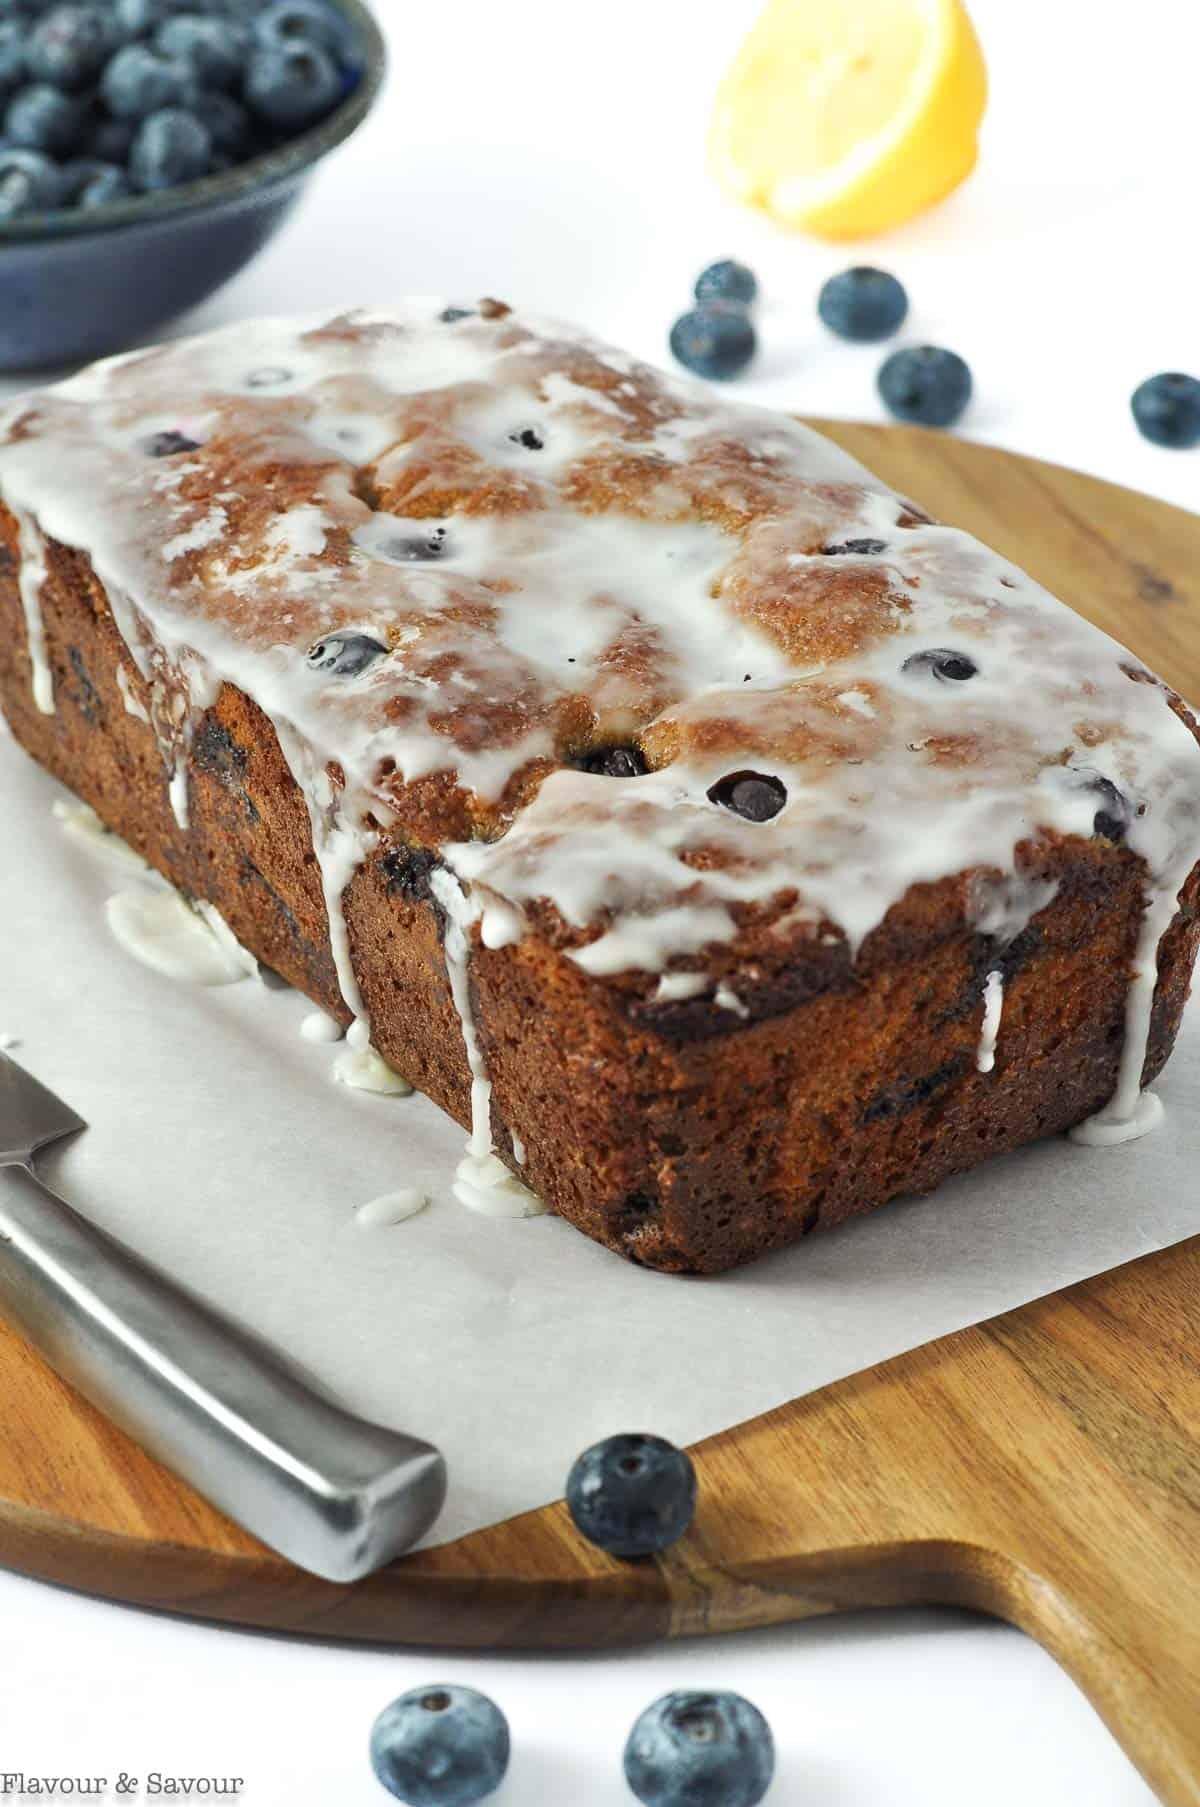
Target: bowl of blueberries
(149, 148)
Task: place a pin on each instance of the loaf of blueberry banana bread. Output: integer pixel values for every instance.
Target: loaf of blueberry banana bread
(727, 845)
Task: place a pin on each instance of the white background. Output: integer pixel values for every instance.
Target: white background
(551, 153)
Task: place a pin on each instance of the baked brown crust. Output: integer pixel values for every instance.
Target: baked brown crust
(678, 1134)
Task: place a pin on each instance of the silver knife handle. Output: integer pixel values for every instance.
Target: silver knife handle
(331, 1492)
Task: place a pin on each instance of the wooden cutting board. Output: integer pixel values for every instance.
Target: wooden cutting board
(1044, 1467)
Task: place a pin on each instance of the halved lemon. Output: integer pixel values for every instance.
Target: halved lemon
(846, 117)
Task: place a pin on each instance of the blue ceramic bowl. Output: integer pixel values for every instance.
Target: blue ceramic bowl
(74, 286)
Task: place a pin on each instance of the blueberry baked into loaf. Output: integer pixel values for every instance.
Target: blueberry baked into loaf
(729, 846)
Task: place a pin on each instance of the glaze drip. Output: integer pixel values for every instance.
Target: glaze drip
(461, 916)
(993, 1005)
(30, 581)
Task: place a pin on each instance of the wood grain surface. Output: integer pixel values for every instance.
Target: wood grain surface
(1044, 1467)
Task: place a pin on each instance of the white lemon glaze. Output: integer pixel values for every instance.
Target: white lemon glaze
(993, 1005)
(680, 600)
(160, 930)
(1109, 1129)
(391, 1208)
(364, 1070)
(82, 824)
(318, 1027)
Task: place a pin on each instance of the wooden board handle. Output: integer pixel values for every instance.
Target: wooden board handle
(1044, 1467)
(1136, 1657)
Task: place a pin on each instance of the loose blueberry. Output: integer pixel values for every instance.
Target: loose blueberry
(727, 281)
(441, 1746)
(614, 762)
(138, 82)
(717, 340)
(856, 548)
(345, 655)
(292, 85)
(300, 21)
(863, 304)
(167, 444)
(1166, 409)
(68, 47)
(941, 663)
(700, 1750)
(171, 147)
(40, 118)
(227, 123)
(213, 49)
(925, 384)
(529, 437)
(632, 1495)
(29, 183)
(753, 795)
(449, 315)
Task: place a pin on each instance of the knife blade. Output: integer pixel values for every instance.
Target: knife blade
(333, 1493)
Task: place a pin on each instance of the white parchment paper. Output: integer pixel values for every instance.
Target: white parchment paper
(221, 1149)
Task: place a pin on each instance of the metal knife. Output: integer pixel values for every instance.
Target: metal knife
(331, 1492)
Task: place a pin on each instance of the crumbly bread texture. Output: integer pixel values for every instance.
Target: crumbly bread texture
(682, 810)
